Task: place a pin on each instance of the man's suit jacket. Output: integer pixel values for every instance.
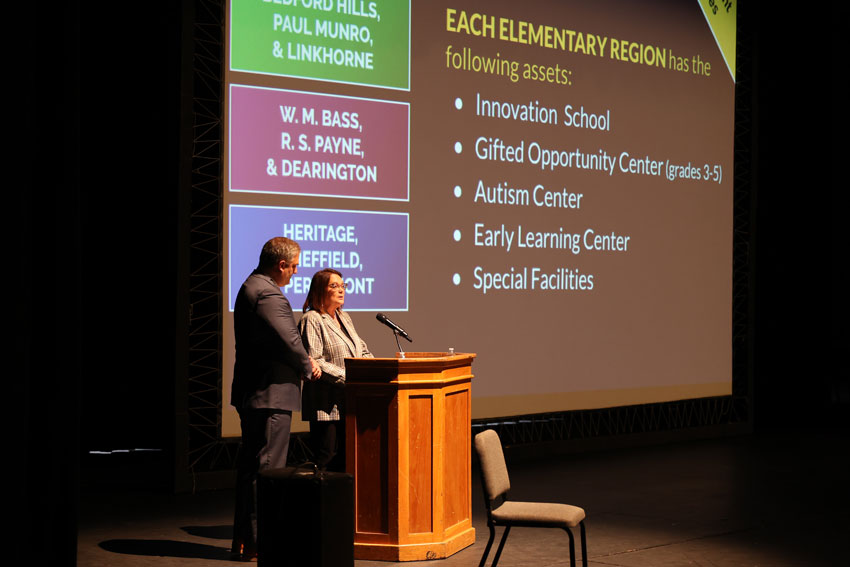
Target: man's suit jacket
(270, 356)
(329, 345)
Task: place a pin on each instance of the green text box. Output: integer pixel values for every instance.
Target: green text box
(365, 42)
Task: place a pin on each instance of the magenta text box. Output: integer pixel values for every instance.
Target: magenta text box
(300, 143)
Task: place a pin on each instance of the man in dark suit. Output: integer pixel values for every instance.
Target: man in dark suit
(270, 364)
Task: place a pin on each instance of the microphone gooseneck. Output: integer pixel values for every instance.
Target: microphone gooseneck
(396, 329)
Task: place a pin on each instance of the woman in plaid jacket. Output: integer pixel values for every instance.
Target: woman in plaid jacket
(329, 337)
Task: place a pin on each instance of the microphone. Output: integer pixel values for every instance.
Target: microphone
(396, 329)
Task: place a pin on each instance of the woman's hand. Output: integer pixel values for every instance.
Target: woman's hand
(317, 371)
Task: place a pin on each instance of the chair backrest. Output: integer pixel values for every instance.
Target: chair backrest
(493, 469)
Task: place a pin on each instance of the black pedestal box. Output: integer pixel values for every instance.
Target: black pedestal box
(305, 519)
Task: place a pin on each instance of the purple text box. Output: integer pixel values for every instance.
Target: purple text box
(300, 143)
(370, 249)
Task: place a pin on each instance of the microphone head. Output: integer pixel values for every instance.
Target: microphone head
(396, 329)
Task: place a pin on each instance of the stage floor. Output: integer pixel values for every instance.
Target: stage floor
(767, 500)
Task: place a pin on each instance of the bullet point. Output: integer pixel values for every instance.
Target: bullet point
(458, 103)
(457, 235)
(458, 147)
(458, 191)
(456, 279)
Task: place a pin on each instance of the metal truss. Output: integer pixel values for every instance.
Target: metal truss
(207, 452)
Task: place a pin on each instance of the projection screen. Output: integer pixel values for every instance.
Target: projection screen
(547, 184)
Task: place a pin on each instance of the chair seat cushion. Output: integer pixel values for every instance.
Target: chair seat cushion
(538, 514)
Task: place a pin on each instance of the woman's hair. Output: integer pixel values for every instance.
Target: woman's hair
(318, 286)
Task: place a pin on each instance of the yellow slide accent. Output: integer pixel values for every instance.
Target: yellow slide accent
(722, 18)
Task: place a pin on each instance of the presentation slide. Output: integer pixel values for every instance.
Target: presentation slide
(547, 184)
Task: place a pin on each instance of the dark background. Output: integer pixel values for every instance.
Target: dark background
(95, 174)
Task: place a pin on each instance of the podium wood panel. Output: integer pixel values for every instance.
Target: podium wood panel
(408, 439)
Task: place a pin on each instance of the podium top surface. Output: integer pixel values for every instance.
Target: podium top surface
(431, 355)
(414, 367)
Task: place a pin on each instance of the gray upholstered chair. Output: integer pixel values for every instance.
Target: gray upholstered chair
(507, 513)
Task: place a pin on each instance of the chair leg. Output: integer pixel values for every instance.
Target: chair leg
(572, 547)
(583, 545)
(489, 545)
(501, 546)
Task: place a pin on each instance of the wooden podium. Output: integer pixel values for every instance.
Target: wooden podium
(408, 443)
